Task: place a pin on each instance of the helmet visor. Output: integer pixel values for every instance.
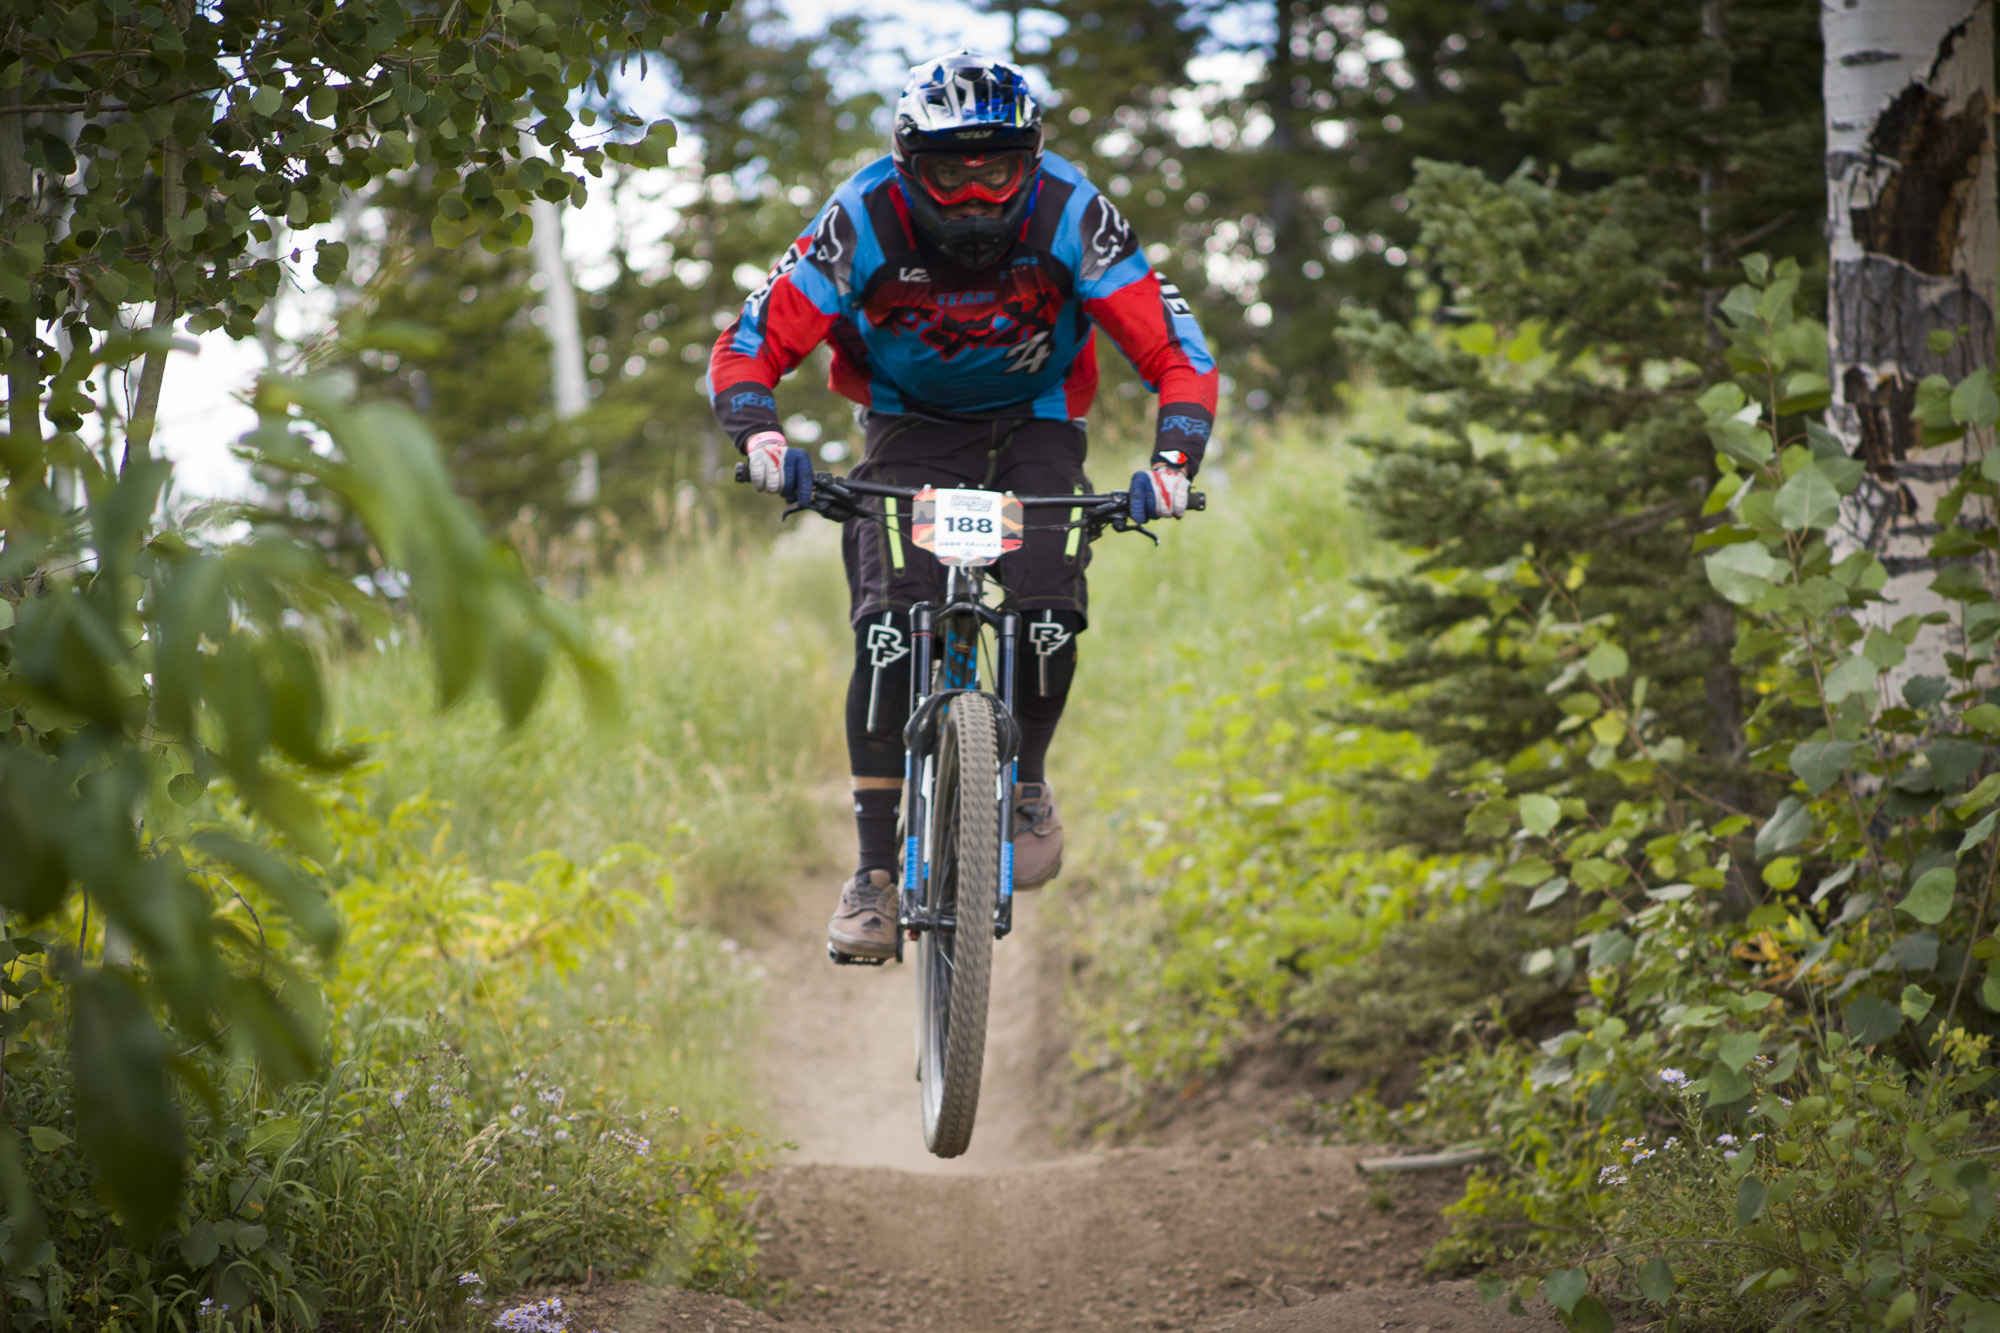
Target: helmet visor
(956, 178)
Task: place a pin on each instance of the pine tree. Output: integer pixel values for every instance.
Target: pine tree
(1289, 200)
(1598, 271)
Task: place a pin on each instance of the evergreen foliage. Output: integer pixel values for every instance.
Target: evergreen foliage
(1290, 194)
(772, 137)
(1597, 283)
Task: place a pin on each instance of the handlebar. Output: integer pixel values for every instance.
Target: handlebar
(1106, 502)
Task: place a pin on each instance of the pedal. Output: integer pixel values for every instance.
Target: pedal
(839, 959)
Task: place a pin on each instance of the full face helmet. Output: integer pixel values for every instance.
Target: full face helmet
(968, 129)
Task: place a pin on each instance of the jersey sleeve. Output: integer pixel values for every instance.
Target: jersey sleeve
(780, 324)
(1152, 325)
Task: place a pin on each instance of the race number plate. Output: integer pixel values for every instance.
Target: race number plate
(966, 528)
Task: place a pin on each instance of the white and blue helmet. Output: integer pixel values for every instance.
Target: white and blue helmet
(968, 128)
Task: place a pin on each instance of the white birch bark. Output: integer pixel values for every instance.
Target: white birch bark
(1911, 224)
(566, 366)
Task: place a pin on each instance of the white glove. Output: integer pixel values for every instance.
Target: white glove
(766, 453)
(1170, 490)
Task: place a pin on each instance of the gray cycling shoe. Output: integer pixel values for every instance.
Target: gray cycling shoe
(864, 925)
(1038, 835)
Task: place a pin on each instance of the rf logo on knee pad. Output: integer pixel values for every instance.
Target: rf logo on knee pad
(1048, 636)
(885, 644)
(886, 647)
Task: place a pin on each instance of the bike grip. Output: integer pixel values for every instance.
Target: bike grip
(797, 486)
(1140, 498)
(1197, 500)
(742, 472)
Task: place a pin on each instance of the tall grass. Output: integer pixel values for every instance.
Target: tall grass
(733, 659)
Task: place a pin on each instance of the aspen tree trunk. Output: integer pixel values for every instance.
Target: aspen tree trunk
(1911, 222)
(566, 368)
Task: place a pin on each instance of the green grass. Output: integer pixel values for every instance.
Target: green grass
(733, 660)
(1234, 594)
(732, 656)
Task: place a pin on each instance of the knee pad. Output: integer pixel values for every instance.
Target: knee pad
(878, 695)
(1045, 662)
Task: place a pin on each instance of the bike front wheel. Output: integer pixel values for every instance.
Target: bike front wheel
(955, 964)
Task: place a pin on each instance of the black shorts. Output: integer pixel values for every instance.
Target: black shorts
(886, 571)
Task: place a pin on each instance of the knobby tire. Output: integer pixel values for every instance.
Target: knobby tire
(956, 967)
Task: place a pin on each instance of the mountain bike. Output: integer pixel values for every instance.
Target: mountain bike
(959, 760)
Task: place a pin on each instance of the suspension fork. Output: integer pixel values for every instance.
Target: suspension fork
(923, 642)
(1005, 657)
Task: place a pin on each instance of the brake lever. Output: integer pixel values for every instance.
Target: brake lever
(1124, 523)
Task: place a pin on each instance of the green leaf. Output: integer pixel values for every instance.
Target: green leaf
(1743, 572)
(1871, 1019)
(273, 1135)
(1565, 1288)
(1750, 1196)
(1900, 1310)
(1787, 828)
(1738, 1049)
(1607, 661)
(1721, 399)
(1548, 893)
(199, 1246)
(1989, 992)
(1981, 796)
(185, 788)
(1916, 1003)
(1984, 719)
(1929, 899)
(1726, 1086)
(1973, 402)
(127, 1120)
(1819, 764)
(1851, 675)
(46, 1139)
(1540, 814)
(1742, 441)
(1808, 500)
(1884, 650)
(1529, 871)
(1656, 1281)
(1590, 1316)
(266, 100)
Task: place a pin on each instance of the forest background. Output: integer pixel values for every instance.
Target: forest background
(1541, 733)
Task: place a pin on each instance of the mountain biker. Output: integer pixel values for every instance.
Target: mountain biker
(958, 280)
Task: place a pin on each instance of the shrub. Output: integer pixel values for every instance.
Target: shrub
(446, 1156)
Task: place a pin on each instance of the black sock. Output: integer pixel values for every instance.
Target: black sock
(1036, 733)
(875, 823)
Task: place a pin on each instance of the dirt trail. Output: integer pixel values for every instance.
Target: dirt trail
(871, 1232)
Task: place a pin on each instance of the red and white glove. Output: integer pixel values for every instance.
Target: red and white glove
(1170, 490)
(766, 453)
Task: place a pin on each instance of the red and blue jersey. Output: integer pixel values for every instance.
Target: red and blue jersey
(914, 334)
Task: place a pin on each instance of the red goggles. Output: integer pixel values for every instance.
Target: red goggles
(953, 178)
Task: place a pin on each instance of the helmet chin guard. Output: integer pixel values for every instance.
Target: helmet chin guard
(976, 111)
